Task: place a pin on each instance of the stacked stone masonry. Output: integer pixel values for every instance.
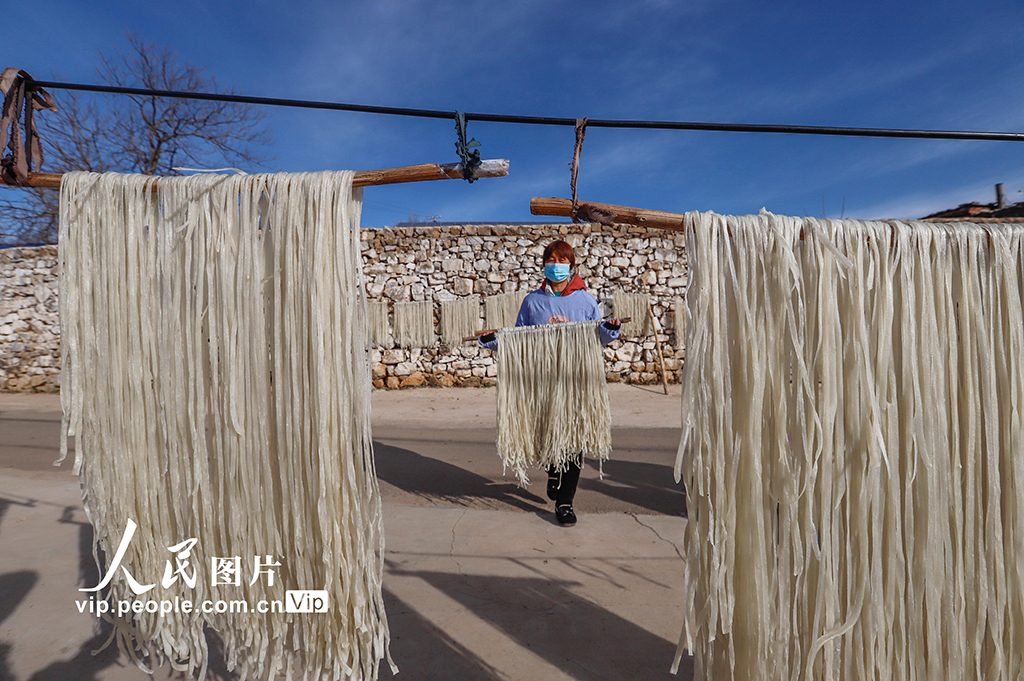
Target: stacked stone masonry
(403, 264)
(29, 322)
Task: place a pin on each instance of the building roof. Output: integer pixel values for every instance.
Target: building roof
(981, 210)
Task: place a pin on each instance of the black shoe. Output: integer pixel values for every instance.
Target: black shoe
(552, 488)
(565, 515)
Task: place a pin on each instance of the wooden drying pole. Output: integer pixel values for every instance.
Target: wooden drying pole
(363, 178)
(620, 214)
(657, 344)
(476, 334)
(642, 217)
(623, 215)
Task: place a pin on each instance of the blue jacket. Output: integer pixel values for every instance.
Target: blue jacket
(542, 307)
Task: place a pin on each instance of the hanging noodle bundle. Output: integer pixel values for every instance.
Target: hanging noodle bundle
(552, 397)
(414, 324)
(680, 317)
(852, 449)
(635, 306)
(377, 325)
(215, 375)
(502, 310)
(459, 318)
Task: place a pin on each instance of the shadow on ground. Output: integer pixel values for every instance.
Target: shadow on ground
(647, 485)
(472, 479)
(86, 666)
(428, 477)
(14, 587)
(542, 616)
(424, 652)
(87, 663)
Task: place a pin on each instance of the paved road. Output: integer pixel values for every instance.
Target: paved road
(480, 583)
(438, 466)
(460, 467)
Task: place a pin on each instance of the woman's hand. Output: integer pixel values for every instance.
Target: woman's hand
(612, 324)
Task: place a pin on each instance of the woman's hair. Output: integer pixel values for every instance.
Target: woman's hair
(562, 249)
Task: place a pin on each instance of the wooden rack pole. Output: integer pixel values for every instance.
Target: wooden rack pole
(977, 221)
(477, 334)
(657, 344)
(642, 217)
(363, 178)
(427, 172)
(622, 214)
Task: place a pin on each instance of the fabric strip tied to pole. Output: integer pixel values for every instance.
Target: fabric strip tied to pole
(467, 151)
(25, 154)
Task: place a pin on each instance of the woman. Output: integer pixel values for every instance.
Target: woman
(563, 297)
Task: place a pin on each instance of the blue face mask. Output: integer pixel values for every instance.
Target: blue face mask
(556, 271)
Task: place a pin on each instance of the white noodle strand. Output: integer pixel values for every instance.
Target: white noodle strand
(377, 326)
(635, 306)
(414, 324)
(851, 449)
(680, 317)
(502, 310)
(460, 318)
(215, 374)
(552, 397)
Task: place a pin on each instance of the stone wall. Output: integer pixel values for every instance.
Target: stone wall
(29, 324)
(403, 264)
(435, 263)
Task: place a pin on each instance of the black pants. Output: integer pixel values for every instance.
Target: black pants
(567, 487)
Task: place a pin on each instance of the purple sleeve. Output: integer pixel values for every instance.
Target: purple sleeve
(607, 335)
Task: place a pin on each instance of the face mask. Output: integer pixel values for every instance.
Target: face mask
(556, 271)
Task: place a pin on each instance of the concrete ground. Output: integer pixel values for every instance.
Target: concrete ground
(480, 581)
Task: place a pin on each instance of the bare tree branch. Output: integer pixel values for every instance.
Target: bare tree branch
(149, 135)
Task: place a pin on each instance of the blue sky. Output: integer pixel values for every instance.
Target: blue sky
(941, 65)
